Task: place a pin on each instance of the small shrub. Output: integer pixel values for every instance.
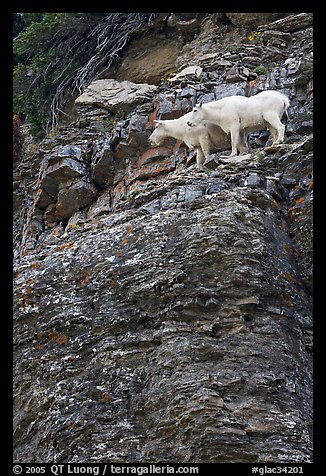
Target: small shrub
(256, 37)
(261, 70)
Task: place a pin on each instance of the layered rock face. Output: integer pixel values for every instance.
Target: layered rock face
(164, 313)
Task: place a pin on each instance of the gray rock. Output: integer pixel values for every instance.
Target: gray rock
(188, 28)
(169, 106)
(211, 162)
(115, 96)
(252, 20)
(237, 159)
(60, 172)
(233, 89)
(102, 168)
(138, 132)
(252, 180)
(76, 220)
(216, 186)
(208, 97)
(70, 151)
(191, 72)
(187, 92)
(102, 206)
(236, 73)
(276, 38)
(290, 23)
(42, 198)
(78, 195)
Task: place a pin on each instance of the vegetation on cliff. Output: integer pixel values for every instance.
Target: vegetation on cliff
(57, 55)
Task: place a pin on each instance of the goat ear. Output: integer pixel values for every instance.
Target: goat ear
(158, 122)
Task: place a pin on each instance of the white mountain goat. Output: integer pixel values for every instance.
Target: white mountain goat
(238, 115)
(202, 137)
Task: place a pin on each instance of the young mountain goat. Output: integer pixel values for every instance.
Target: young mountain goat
(238, 115)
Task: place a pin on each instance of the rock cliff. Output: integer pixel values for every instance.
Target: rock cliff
(163, 313)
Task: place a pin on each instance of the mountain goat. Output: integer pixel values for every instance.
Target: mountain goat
(238, 115)
(202, 137)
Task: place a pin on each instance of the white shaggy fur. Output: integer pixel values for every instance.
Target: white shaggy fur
(202, 137)
(238, 115)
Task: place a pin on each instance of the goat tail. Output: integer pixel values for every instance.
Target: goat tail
(285, 107)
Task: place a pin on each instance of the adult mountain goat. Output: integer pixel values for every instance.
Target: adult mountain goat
(238, 115)
(201, 138)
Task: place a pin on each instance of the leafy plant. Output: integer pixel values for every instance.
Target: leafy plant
(165, 79)
(261, 70)
(256, 37)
